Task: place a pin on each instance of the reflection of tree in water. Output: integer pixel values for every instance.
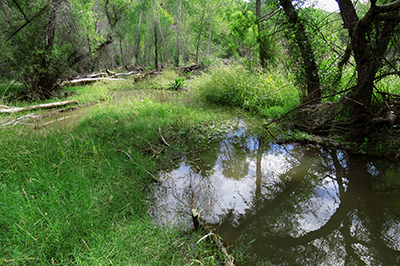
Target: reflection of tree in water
(337, 192)
(229, 151)
(234, 153)
(302, 207)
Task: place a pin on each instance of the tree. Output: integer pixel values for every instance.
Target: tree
(307, 53)
(370, 38)
(261, 42)
(43, 40)
(161, 32)
(178, 32)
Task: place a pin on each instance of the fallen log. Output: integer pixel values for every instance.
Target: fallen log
(95, 75)
(39, 106)
(110, 73)
(84, 81)
(127, 74)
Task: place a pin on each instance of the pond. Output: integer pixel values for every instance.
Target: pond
(287, 204)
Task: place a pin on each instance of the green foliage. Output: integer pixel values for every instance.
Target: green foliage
(177, 84)
(54, 37)
(243, 32)
(253, 91)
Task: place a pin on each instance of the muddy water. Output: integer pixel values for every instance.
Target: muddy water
(288, 204)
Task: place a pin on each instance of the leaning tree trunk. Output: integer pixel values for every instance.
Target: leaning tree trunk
(307, 53)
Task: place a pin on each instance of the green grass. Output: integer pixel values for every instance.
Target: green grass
(79, 196)
(267, 94)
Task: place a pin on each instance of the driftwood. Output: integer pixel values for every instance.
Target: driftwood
(33, 107)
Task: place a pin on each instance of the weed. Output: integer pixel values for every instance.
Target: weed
(177, 84)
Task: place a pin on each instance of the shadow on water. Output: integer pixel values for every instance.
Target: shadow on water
(288, 204)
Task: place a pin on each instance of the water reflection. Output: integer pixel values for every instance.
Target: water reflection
(300, 206)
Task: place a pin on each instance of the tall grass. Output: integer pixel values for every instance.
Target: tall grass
(269, 94)
(79, 197)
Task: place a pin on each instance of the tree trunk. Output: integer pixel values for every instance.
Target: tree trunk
(196, 59)
(177, 45)
(162, 36)
(261, 44)
(369, 44)
(47, 76)
(137, 50)
(307, 53)
(209, 39)
(122, 52)
(149, 41)
(155, 47)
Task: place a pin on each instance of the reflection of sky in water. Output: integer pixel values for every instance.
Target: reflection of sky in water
(319, 209)
(216, 195)
(235, 188)
(392, 234)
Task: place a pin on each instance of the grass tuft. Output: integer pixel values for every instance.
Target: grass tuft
(268, 94)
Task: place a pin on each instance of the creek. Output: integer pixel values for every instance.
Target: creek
(287, 204)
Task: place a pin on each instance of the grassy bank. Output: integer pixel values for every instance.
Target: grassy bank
(78, 196)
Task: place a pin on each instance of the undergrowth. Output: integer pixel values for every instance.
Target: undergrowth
(268, 94)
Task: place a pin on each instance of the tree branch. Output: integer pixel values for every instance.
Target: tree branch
(39, 14)
(387, 7)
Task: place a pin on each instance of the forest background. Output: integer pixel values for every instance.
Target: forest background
(349, 55)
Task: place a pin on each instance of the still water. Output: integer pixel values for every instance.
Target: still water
(288, 204)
